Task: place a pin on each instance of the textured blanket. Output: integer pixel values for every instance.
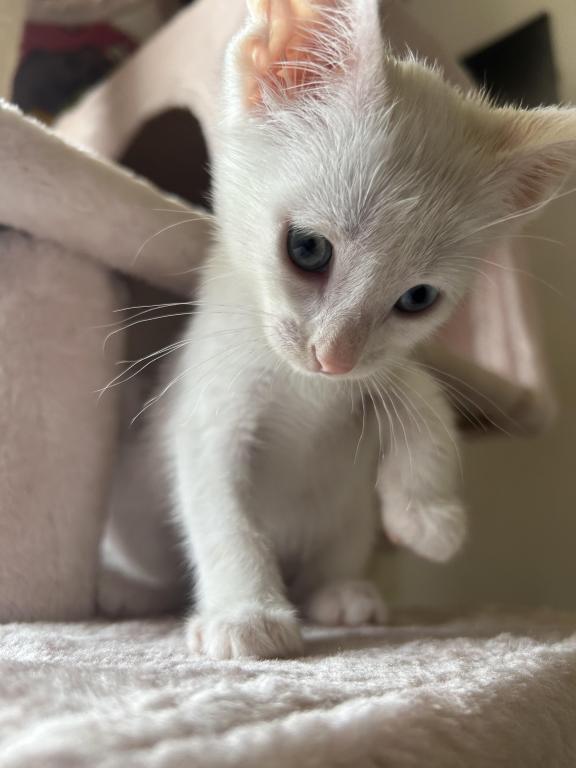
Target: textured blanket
(471, 693)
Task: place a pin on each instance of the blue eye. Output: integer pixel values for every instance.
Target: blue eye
(417, 299)
(308, 251)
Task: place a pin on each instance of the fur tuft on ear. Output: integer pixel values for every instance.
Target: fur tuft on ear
(526, 154)
(289, 49)
(536, 151)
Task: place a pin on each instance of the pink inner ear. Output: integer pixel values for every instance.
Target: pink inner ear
(537, 181)
(286, 54)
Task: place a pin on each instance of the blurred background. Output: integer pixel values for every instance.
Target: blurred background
(522, 492)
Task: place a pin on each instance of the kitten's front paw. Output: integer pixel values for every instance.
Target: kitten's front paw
(249, 632)
(434, 530)
(347, 603)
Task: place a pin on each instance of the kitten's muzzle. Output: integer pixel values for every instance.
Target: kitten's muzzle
(331, 363)
(339, 354)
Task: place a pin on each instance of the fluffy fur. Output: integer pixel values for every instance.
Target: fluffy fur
(474, 693)
(276, 469)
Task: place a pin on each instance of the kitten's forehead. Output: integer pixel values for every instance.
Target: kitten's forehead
(365, 176)
(335, 158)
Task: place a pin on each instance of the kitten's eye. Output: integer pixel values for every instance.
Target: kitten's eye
(417, 299)
(308, 251)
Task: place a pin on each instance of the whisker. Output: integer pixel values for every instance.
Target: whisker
(161, 231)
(463, 409)
(381, 452)
(522, 236)
(235, 355)
(443, 374)
(394, 445)
(438, 419)
(181, 273)
(404, 401)
(254, 362)
(222, 356)
(363, 422)
(120, 380)
(519, 271)
(405, 433)
(149, 308)
(467, 270)
(140, 321)
(185, 212)
(536, 208)
(155, 355)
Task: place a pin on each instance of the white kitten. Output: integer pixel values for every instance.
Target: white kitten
(352, 193)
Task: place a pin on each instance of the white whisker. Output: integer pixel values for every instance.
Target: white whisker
(161, 231)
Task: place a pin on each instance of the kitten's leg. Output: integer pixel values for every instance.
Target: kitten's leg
(419, 481)
(242, 610)
(334, 591)
(350, 603)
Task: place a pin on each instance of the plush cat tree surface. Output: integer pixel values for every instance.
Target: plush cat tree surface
(482, 692)
(57, 294)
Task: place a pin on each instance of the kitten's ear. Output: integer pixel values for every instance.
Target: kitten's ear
(536, 151)
(292, 48)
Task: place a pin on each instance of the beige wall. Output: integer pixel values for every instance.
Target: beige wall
(522, 494)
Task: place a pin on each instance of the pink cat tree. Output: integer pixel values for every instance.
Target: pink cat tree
(75, 218)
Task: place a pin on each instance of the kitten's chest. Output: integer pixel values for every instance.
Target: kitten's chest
(313, 460)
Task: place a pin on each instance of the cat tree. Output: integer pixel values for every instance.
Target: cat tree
(74, 220)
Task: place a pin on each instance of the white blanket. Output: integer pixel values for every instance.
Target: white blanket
(471, 693)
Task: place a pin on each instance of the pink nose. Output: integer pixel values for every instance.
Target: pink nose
(332, 363)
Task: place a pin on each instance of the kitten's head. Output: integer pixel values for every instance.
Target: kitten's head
(359, 190)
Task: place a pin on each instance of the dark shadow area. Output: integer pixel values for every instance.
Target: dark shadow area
(419, 626)
(518, 68)
(171, 152)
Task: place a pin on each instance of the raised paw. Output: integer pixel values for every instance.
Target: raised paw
(433, 529)
(347, 603)
(250, 632)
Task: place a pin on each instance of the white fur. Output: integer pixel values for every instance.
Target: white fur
(469, 693)
(279, 473)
